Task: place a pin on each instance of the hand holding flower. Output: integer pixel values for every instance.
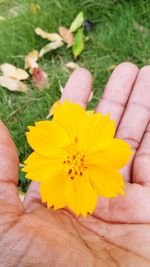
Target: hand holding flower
(32, 235)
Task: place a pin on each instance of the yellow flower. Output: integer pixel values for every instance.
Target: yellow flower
(53, 108)
(76, 158)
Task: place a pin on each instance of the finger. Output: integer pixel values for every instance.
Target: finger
(77, 89)
(117, 91)
(137, 114)
(8, 170)
(141, 166)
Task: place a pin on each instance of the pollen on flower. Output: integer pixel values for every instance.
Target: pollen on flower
(75, 165)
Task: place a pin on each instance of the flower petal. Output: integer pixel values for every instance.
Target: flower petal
(80, 196)
(107, 182)
(53, 192)
(116, 154)
(70, 116)
(41, 168)
(95, 133)
(48, 139)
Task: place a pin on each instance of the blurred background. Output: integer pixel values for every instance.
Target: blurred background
(117, 31)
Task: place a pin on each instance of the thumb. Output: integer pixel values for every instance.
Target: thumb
(9, 163)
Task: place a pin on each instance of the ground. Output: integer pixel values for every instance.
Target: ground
(121, 33)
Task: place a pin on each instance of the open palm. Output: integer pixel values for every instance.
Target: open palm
(118, 233)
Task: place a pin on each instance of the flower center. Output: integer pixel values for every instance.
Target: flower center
(75, 165)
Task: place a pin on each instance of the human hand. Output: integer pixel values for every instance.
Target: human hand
(118, 232)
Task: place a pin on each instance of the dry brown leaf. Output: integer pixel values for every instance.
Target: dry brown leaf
(66, 35)
(40, 78)
(12, 84)
(13, 72)
(49, 47)
(71, 65)
(31, 60)
(54, 37)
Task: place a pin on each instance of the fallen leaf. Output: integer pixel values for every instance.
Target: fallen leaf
(2, 18)
(77, 23)
(53, 108)
(46, 35)
(40, 78)
(71, 65)
(13, 72)
(31, 60)
(12, 84)
(35, 8)
(51, 46)
(78, 44)
(66, 35)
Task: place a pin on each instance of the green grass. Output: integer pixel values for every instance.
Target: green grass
(122, 33)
